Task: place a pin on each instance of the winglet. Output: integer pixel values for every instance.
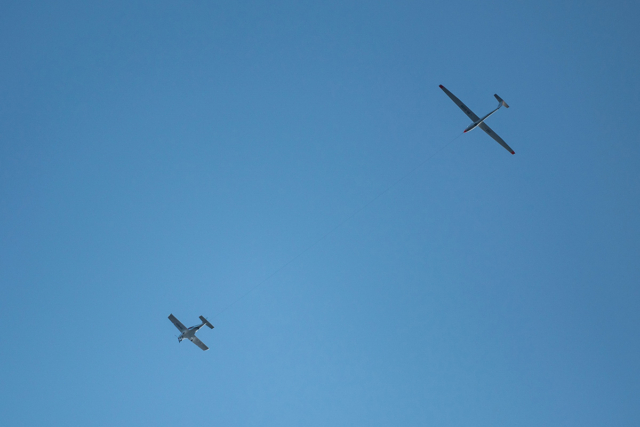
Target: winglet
(441, 87)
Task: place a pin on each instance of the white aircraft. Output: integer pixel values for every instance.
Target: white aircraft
(190, 333)
(479, 122)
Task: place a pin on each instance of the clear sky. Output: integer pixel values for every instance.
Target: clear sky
(163, 157)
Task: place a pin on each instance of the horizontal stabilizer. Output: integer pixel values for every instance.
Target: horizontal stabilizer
(501, 101)
(206, 322)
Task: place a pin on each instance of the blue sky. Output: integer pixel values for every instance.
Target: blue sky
(165, 157)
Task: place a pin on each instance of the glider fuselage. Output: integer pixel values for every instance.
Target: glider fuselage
(475, 124)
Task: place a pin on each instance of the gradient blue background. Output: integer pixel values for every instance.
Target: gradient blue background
(165, 157)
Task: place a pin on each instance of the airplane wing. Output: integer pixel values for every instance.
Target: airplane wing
(460, 104)
(199, 343)
(495, 136)
(176, 322)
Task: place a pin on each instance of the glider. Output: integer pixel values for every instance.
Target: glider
(479, 122)
(190, 333)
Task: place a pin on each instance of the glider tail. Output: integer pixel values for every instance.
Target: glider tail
(206, 322)
(500, 100)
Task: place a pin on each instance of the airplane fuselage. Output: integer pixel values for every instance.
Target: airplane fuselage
(189, 333)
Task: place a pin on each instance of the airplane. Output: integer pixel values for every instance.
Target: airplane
(190, 333)
(479, 122)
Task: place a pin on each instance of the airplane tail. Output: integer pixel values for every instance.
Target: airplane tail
(500, 100)
(206, 322)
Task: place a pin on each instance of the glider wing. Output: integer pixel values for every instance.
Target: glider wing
(176, 322)
(199, 343)
(495, 136)
(460, 104)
